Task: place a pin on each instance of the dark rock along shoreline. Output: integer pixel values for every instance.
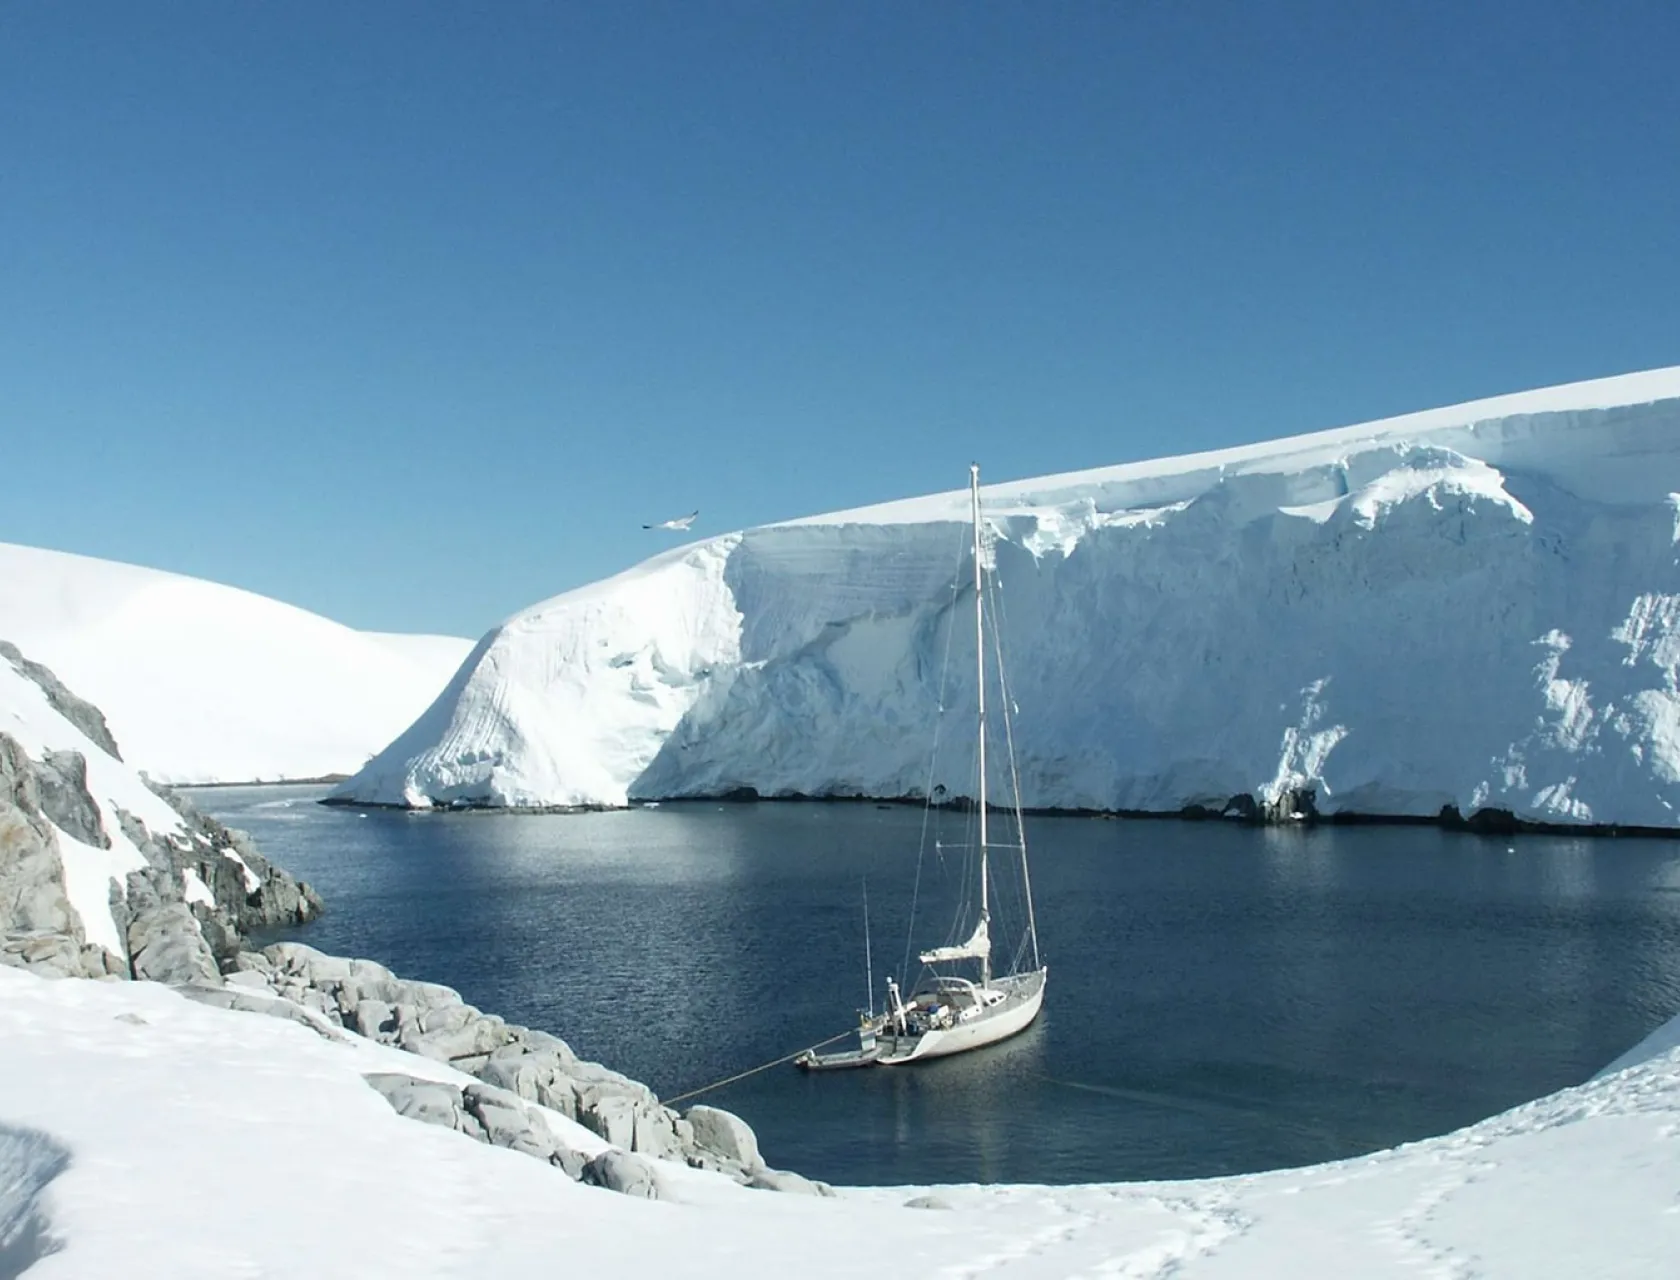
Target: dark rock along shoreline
(1295, 807)
(201, 949)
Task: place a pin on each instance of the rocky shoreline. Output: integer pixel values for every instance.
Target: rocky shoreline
(1292, 808)
(184, 921)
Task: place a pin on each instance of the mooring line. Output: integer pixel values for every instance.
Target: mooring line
(742, 1075)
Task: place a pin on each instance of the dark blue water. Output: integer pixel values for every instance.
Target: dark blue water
(1221, 998)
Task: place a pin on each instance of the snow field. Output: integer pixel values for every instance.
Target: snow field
(206, 683)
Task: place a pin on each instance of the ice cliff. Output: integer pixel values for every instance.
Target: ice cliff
(1476, 607)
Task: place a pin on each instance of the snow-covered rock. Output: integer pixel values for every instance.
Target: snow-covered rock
(1476, 607)
(98, 872)
(207, 683)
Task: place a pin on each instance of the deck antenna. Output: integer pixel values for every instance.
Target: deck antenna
(868, 957)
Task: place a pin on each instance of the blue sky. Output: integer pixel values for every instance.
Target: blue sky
(412, 314)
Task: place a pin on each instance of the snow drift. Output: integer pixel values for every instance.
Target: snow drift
(1474, 606)
(207, 683)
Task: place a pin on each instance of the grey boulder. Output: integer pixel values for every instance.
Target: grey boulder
(782, 1180)
(55, 955)
(481, 1112)
(622, 1172)
(926, 1202)
(374, 1019)
(725, 1136)
(165, 945)
(62, 779)
(245, 1000)
(424, 1100)
(32, 893)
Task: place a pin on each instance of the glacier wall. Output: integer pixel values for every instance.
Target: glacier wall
(1474, 606)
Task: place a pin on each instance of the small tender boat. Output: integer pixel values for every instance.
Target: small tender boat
(865, 1055)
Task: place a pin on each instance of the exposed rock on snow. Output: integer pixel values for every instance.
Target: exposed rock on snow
(32, 893)
(58, 955)
(84, 715)
(517, 1064)
(481, 1112)
(622, 1172)
(726, 1136)
(96, 868)
(1471, 609)
(238, 997)
(926, 1202)
(427, 1101)
(61, 780)
(166, 945)
(782, 1180)
(207, 683)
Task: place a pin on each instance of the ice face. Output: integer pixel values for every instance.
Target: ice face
(1472, 606)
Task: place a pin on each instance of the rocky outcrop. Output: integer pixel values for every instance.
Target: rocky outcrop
(61, 778)
(239, 998)
(164, 937)
(166, 945)
(32, 897)
(58, 955)
(518, 1066)
(481, 1112)
(622, 1172)
(79, 712)
(248, 888)
(725, 1137)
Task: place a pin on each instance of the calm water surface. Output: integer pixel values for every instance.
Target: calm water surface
(1221, 998)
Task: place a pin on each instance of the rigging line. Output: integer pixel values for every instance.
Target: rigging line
(868, 957)
(1015, 781)
(1020, 952)
(933, 761)
(742, 1075)
(1000, 641)
(1001, 648)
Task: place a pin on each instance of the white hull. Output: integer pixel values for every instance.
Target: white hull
(1015, 1015)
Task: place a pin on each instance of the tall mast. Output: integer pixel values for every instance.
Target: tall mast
(980, 689)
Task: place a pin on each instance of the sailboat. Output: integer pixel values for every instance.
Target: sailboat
(950, 1011)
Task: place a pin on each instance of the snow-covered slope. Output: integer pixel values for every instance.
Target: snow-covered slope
(1476, 606)
(134, 1123)
(207, 683)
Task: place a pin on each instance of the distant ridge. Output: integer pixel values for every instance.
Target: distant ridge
(209, 683)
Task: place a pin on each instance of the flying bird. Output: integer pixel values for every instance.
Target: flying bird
(680, 524)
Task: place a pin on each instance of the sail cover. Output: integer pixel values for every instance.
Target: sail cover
(978, 947)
